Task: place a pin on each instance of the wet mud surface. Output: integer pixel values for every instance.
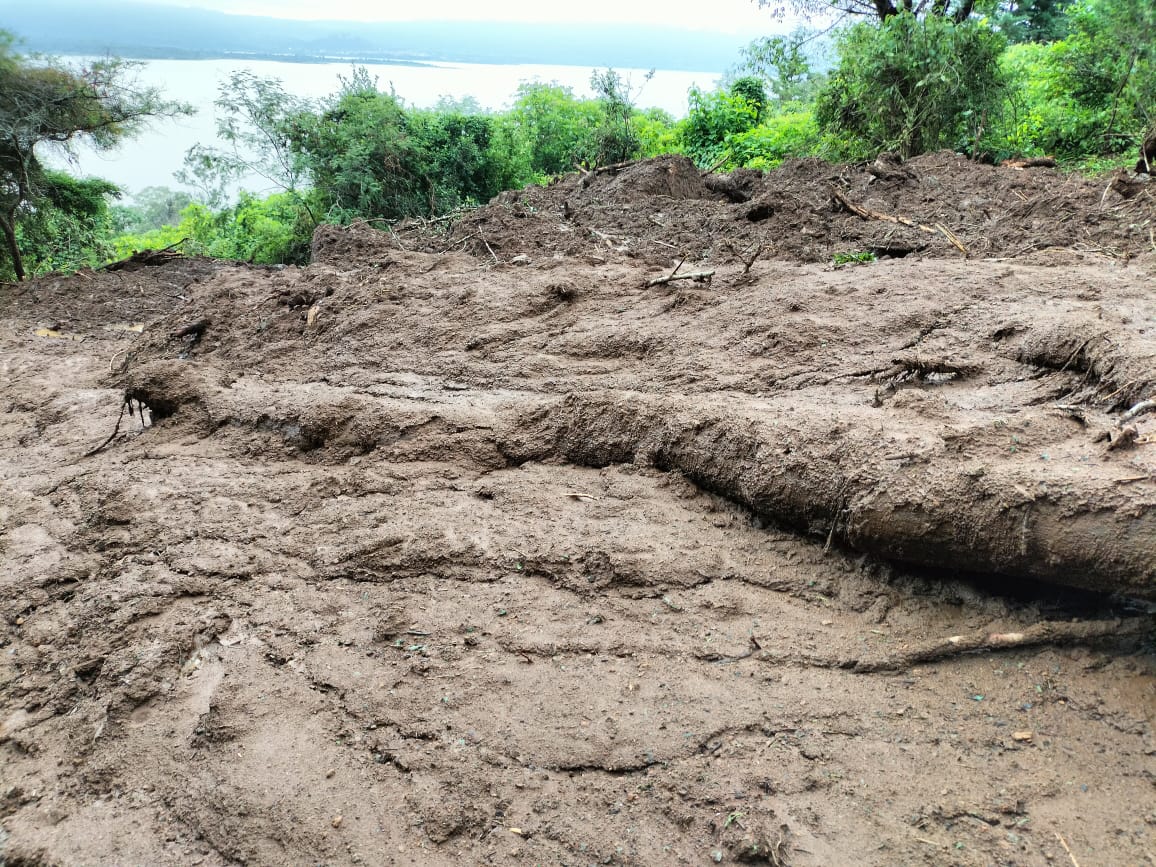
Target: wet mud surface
(440, 551)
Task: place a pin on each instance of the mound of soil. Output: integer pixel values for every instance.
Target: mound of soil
(395, 558)
(947, 206)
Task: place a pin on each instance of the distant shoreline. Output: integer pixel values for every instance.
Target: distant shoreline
(146, 31)
(138, 53)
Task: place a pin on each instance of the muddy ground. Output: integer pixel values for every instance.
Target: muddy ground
(464, 544)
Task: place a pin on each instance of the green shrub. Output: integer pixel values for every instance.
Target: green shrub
(272, 230)
(913, 85)
(714, 117)
(780, 137)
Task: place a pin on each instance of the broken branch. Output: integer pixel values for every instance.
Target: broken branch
(147, 257)
(697, 276)
(1037, 634)
(868, 214)
(1139, 409)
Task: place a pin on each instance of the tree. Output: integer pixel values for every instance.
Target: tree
(558, 128)
(913, 85)
(44, 103)
(1034, 20)
(616, 137)
(71, 224)
(783, 63)
(370, 156)
(255, 123)
(1109, 63)
(717, 115)
(360, 155)
(951, 10)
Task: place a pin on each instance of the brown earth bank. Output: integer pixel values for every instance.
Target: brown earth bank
(482, 540)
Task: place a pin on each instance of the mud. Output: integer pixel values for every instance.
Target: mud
(464, 544)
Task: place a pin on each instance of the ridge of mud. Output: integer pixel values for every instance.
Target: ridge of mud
(825, 475)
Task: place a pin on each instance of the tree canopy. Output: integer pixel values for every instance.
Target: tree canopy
(43, 104)
(955, 10)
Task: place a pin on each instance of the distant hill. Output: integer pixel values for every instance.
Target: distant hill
(141, 30)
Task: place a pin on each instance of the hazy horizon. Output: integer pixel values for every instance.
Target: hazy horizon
(732, 17)
(137, 29)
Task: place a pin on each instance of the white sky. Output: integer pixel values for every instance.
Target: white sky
(720, 16)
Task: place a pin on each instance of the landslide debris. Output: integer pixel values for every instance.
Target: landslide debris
(466, 544)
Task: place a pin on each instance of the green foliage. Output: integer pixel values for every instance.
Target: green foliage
(1108, 63)
(369, 156)
(751, 89)
(70, 225)
(913, 85)
(361, 157)
(713, 119)
(1041, 116)
(263, 231)
(255, 124)
(1088, 95)
(780, 137)
(657, 133)
(783, 63)
(46, 104)
(556, 127)
(1034, 20)
(854, 257)
(616, 139)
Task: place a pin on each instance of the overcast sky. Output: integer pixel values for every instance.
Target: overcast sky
(726, 16)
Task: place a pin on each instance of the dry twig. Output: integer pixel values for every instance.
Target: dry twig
(488, 247)
(1064, 843)
(697, 276)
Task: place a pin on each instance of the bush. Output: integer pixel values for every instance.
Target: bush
(276, 229)
(714, 117)
(70, 226)
(913, 85)
(657, 133)
(1041, 115)
(555, 127)
(780, 137)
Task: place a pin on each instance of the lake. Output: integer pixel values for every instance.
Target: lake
(153, 157)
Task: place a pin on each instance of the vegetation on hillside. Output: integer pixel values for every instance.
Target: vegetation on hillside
(1073, 79)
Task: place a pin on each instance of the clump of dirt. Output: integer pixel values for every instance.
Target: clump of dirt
(674, 177)
(398, 561)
